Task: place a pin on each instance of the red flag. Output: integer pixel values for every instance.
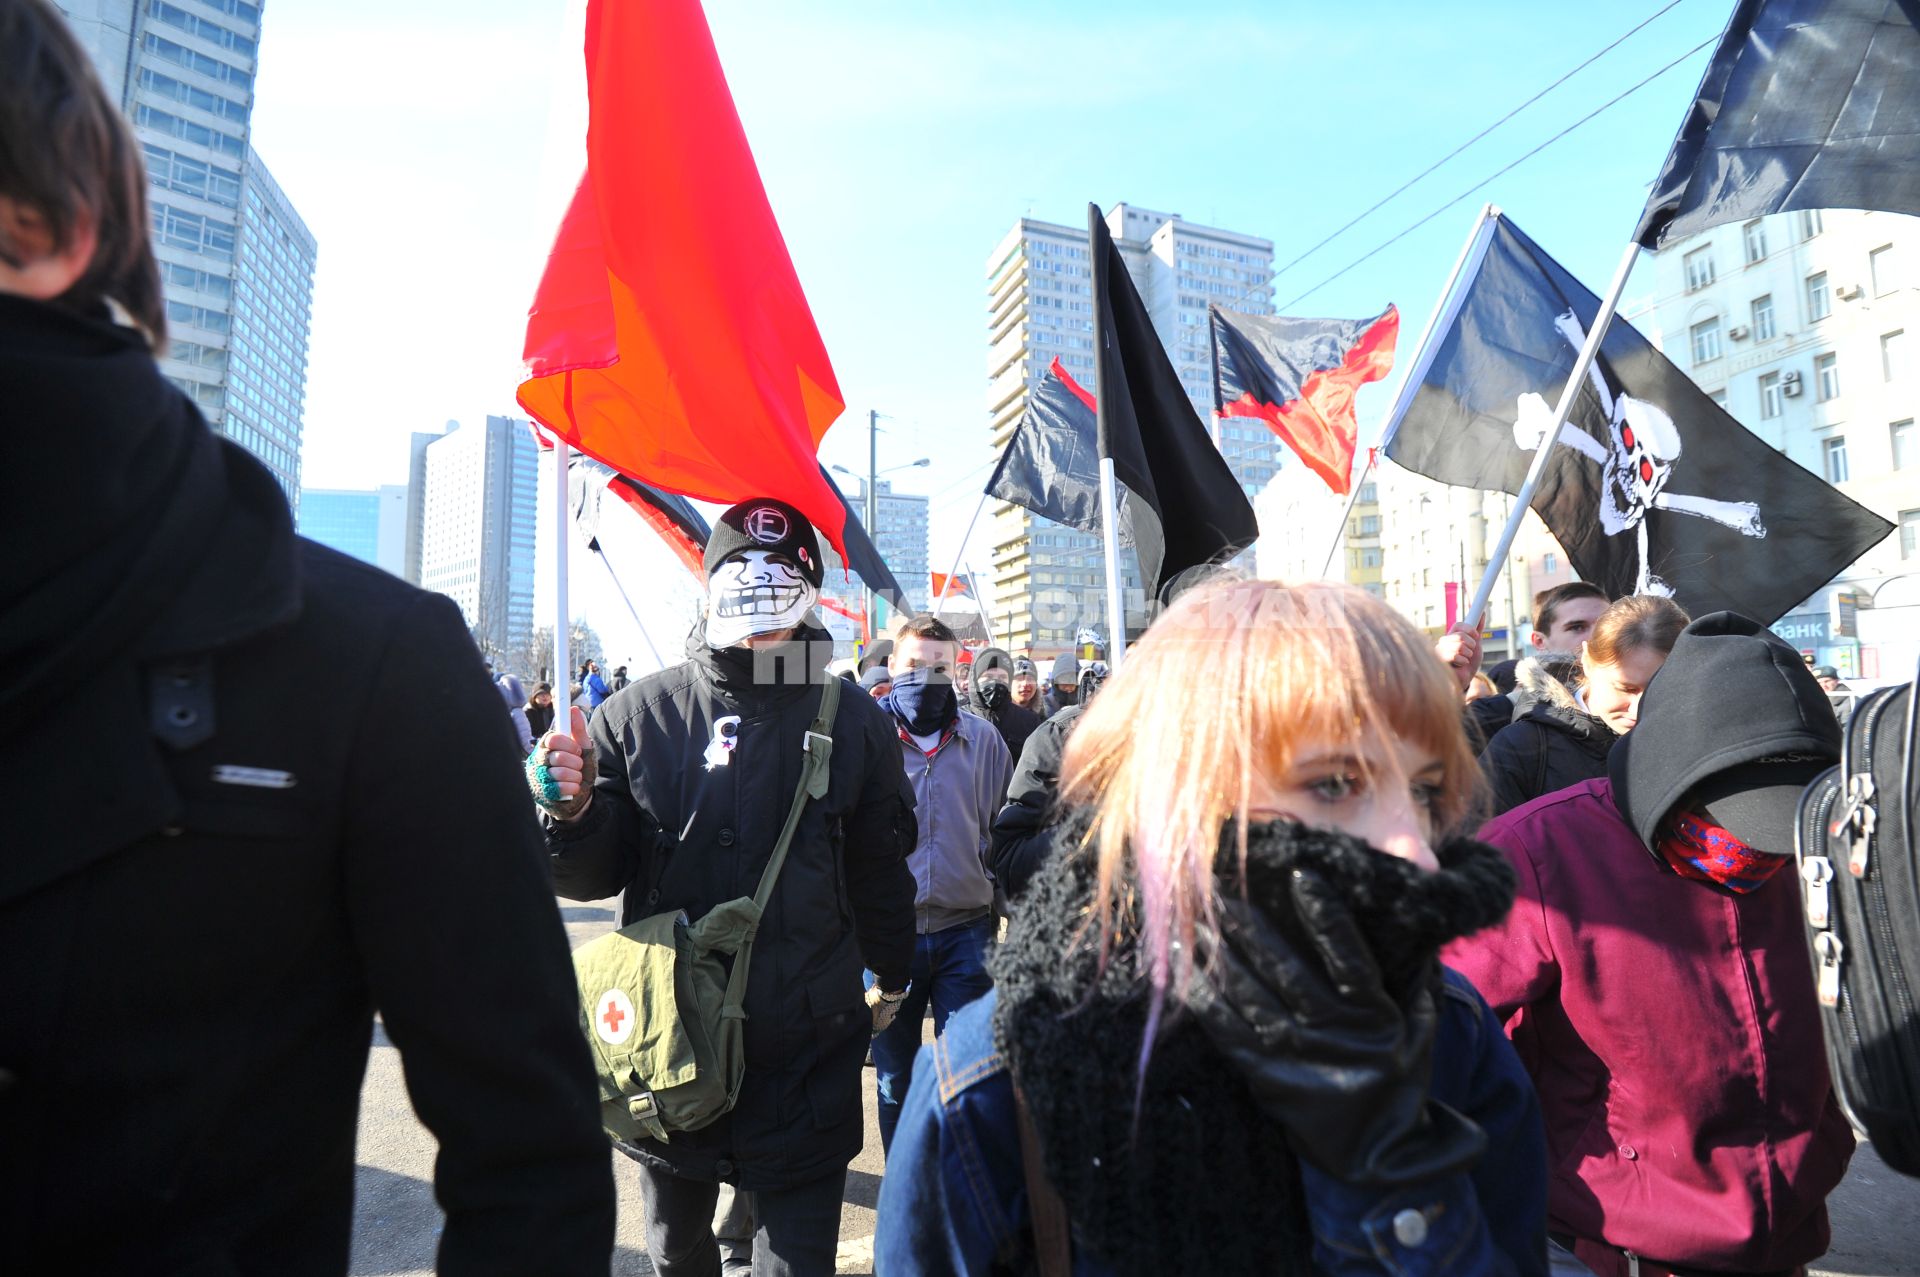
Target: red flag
(669, 336)
(952, 587)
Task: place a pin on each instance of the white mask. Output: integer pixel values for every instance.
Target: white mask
(755, 592)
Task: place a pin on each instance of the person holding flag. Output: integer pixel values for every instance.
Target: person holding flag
(676, 803)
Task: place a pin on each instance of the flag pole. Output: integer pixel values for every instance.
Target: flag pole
(1523, 499)
(980, 601)
(947, 584)
(562, 621)
(1109, 492)
(645, 637)
(1473, 250)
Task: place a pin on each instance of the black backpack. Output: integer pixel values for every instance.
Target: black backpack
(1860, 883)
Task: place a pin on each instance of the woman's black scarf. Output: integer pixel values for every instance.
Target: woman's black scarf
(1195, 1179)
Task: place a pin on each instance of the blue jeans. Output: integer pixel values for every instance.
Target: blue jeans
(949, 970)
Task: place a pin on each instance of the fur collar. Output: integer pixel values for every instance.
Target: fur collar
(1140, 1180)
(1548, 678)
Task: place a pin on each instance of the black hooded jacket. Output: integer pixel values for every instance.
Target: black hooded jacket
(1015, 724)
(291, 800)
(665, 831)
(1021, 842)
(1552, 745)
(1682, 737)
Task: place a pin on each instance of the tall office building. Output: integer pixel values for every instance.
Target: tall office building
(235, 257)
(370, 526)
(1049, 581)
(477, 491)
(1803, 326)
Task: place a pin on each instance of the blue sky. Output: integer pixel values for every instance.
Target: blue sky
(899, 141)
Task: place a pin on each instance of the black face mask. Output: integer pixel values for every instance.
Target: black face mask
(923, 700)
(995, 695)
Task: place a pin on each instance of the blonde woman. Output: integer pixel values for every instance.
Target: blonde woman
(1221, 1008)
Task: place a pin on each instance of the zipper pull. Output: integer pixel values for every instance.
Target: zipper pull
(1827, 947)
(1855, 821)
(1818, 872)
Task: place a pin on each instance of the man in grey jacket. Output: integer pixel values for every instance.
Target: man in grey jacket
(958, 768)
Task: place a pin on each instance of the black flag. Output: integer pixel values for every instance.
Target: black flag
(1187, 508)
(863, 556)
(1806, 104)
(1653, 487)
(1051, 465)
(669, 514)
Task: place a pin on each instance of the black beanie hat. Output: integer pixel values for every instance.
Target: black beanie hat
(1733, 718)
(765, 523)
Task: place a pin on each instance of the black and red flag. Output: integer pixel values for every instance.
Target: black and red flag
(670, 515)
(1052, 462)
(1653, 488)
(1186, 507)
(1806, 104)
(1300, 377)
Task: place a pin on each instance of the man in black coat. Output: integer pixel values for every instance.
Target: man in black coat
(255, 792)
(696, 768)
(990, 695)
(1021, 843)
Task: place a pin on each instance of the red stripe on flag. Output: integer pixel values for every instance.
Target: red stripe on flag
(1080, 392)
(1319, 426)
(690, 552)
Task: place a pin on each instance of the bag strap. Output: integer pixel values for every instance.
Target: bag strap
(1052, 1235)
(816, 753)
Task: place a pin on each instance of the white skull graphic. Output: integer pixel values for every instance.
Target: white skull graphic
(1643, 446)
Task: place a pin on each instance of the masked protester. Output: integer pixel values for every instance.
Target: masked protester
(958, 768)
(214, 872)
(990, 695)
(1221, 1005)
(1657, 967)
(1564, 736)
(692, 772)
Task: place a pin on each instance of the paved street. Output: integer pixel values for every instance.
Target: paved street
(1876, 1213)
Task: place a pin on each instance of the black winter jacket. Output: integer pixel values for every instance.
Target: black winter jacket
(1014, 723)
(289, 798)
(1021, 842)
(671, 833)
(1552, 745)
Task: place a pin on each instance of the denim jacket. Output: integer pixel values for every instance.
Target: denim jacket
(954, 1200)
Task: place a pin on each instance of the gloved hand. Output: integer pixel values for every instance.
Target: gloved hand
(1326, 1050)
(561, 771)
(885, 1006)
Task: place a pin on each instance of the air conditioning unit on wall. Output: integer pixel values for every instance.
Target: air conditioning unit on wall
(1847, 292)
(1738, 332)
(1790, 384)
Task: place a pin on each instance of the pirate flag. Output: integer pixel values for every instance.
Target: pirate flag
(1300, 376)
(1806, 104)
(1653, 488)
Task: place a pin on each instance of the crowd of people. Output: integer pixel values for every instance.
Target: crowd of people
(1275, 948)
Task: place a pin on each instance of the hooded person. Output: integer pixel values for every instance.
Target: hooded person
(990, 695)
(689, 779)
(1654, 973)
(291, 805)
(1026, 685)
(1564, 736)
(1063, 683)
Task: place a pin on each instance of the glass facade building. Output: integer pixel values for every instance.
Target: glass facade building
(236, 259)
(345, 521)
(477, 497)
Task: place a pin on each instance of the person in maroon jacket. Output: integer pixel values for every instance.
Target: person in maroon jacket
(1654, 976)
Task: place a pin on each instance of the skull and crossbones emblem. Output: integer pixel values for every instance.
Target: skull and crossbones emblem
(1636, 462)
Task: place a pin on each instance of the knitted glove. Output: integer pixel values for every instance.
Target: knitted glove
(885, 1006)
(546, 790)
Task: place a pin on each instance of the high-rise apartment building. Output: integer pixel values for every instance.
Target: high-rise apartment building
(1049, 581)
(477, 492)
(1804, 327)
(370, 526)
(236, 259)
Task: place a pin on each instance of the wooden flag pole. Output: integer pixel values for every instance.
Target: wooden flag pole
(1523, 499)
(1472, 251)
(562, 621)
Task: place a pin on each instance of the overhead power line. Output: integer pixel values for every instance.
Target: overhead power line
(1388, 198)
(1501, 172)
